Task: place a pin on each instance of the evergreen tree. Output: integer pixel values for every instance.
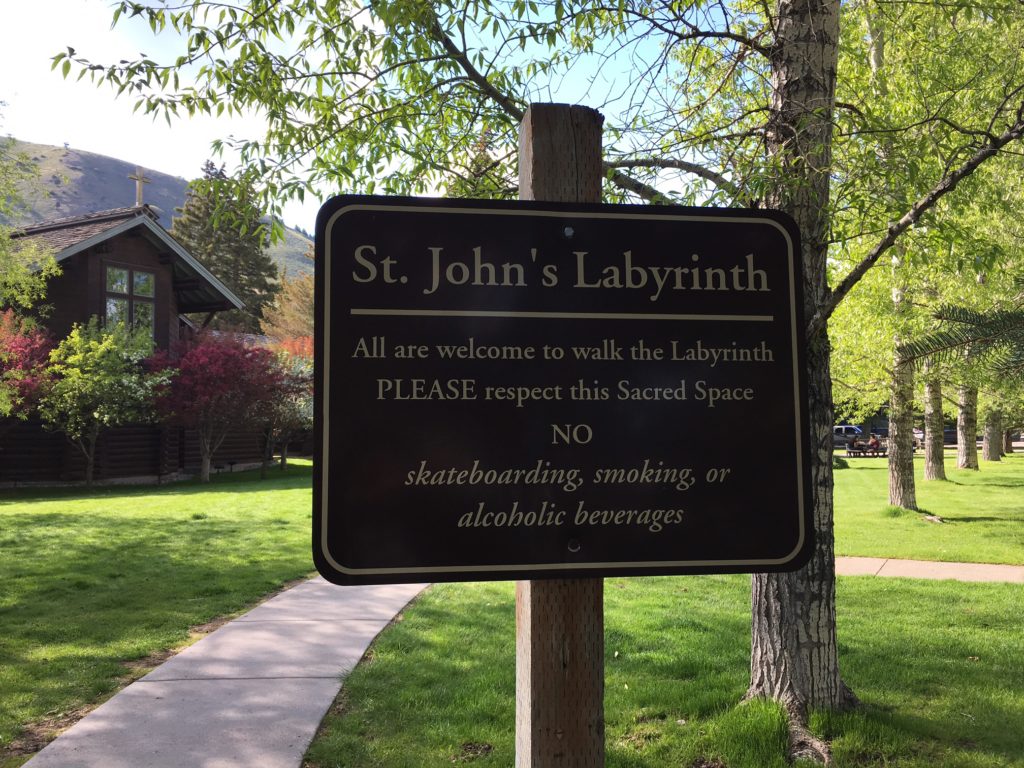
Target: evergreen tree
(223, 230)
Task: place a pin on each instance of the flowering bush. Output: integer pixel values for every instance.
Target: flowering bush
(24, 352)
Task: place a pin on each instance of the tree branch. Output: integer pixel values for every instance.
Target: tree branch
(629, 184)
(512, 109)
(459, 56)
(682, 165)
(948, 183)
(695, 33)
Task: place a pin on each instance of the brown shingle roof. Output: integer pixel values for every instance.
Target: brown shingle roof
(58, 234)
(196, 288)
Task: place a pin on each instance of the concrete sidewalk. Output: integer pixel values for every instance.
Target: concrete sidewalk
(926, 569)
(250, 695)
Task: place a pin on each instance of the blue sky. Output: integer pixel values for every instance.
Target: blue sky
(40, 106)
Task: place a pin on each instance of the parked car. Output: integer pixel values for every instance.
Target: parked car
(842, 433)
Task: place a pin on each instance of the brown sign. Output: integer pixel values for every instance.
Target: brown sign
(527, 390)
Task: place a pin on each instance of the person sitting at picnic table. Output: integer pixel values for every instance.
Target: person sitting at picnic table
(874, 445)
(854, 445)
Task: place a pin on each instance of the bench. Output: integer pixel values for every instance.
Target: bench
(864, 450)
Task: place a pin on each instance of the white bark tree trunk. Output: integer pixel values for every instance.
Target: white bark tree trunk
(967, 429)
(934, 443)
(794, 651)
(902, 492)
(992, 446)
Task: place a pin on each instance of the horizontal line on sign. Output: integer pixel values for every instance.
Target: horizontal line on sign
(555, 315)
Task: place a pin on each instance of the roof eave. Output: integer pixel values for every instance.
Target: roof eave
(164, 237)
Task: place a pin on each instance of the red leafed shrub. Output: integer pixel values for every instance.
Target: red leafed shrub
(218, 382)
(297, 346)
(24, 353)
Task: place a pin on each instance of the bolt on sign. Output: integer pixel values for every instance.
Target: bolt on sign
(520, 390)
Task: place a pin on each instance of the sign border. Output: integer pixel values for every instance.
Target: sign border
(335, 208)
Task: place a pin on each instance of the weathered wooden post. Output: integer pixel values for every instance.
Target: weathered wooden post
(560, 623)
(410, 484)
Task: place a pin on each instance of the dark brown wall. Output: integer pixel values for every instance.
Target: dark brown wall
(78, 293)
(29, 453)
(240, 446)
(67, 296)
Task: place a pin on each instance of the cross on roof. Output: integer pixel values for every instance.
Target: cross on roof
(140, 178)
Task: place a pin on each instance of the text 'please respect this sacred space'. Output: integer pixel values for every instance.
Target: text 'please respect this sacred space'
(510, 390)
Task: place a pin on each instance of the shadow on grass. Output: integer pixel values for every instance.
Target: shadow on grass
(938, 665)
(957, 519)
(865, 467)
(293, 476)
(944, 662)
(81, 592)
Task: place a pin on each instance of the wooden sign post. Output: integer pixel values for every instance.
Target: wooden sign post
(500, 389)
(560, 622)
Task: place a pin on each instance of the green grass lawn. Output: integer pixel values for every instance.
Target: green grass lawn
(983, 512)
(939, 667)
(92, 579)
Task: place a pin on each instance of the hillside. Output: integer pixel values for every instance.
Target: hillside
(72, 182)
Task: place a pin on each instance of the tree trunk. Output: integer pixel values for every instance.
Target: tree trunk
(88, 449)
(1007, 442)
(934, 443)
(794, 656)
(206, 452)
(284, 454)
(967, 429)
(793, 652)
(268, 453)
(902, 492)
(992, 446)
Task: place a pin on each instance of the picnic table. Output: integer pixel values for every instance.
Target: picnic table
(863, 449)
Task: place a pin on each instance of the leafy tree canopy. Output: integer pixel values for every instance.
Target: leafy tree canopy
(99, 382)
(217, 383)
(24, 266)
(403, 96)
(290, 315)
(290, 410)
(995, 337)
